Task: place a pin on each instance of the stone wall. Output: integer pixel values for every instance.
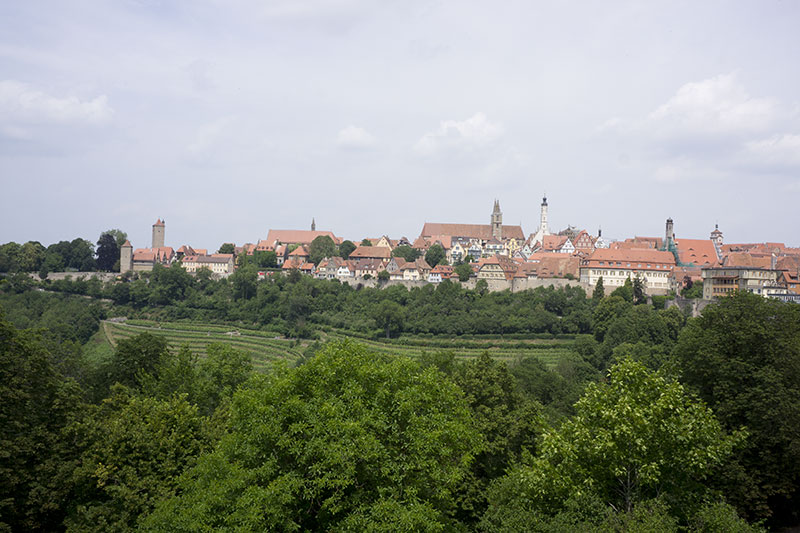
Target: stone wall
(53, 276)
(515, 285)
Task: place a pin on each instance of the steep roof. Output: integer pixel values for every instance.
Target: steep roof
(475, 231)
(631, 256)
(744, 259)
(296, 236)
(371, 252)
(701, 252)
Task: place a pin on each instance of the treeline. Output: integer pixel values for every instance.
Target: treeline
(656, 423)
(297, 305)
(76, 255)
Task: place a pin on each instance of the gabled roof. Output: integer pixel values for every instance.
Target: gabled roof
(553, 242)
(300, 251)
(477, 231)
(701, 252)
(744, 259)
(297, 236)
(631, 256)
(370, 252)
(127, 244)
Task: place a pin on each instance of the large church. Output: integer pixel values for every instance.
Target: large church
(495, 230)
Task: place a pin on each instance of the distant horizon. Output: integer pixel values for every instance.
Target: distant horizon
(374, 117)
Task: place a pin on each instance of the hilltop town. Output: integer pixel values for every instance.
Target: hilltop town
(501, 255)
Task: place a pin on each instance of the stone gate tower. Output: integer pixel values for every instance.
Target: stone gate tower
(126, 257)
(497, 221)
(158, 234)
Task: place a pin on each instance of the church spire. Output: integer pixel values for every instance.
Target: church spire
(313, 224)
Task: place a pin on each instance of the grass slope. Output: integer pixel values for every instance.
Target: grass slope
(266, 347)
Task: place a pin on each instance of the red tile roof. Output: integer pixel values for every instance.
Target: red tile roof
(474, 231)
(608, 255)
(371, 252)
(700, 252)
(296, 236)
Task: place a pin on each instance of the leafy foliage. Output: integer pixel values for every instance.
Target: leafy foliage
(633, 438)
(743, 357)
(349, 440)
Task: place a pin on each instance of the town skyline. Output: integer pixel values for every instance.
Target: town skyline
(377, 118)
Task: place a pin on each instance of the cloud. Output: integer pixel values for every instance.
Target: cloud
(21, 102)
(780, 150)
(355, 137)
(718, 105)
(209, 135)
(474, 132)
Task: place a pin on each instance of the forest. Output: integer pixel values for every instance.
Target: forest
(651, 421)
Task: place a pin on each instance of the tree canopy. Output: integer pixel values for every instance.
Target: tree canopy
(350, 440)
(320, 248)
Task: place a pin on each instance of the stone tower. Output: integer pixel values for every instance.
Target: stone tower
(126, 257)
(158, 234)
(313, 224)
(669, 234)
(543, 218)
(497, 222)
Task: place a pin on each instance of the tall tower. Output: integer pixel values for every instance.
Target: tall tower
(126, 257)
(670, 233)
(158, 234)
(543, 218)
(313, 224)
(716, 235)
(497, 222)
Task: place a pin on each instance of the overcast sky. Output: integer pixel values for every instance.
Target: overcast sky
(230, 117)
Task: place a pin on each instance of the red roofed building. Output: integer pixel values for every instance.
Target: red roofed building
(295, 236)
(615, 266)
(698, 252)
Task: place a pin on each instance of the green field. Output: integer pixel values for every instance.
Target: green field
(266, 347)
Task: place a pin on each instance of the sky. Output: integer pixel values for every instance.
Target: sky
(226, 118)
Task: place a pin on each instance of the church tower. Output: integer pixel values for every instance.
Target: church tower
(313, 224)
(126, 257)
(158, 234)
(543, 218)
(497, 222)
(669, 234)
(543, 230)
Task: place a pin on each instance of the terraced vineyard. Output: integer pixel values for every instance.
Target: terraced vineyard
(267, 347)
(264, 349)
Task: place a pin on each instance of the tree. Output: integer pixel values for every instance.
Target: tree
(320, 248)
(119, 236)
(389, 316)
(135, 357)
(349, 441)
(625, 291)
(384, 275)
(435, 255)
(742, 356)
(227, 248)
(599, 291)
(639, 296)
(265, 258)
(406, 252)
(506, 421)
(244, 282)
(634, 438)
(137, 449)
(366, 242)
(37, 404)
(346, 248)
(463, 271)
(107, 252)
